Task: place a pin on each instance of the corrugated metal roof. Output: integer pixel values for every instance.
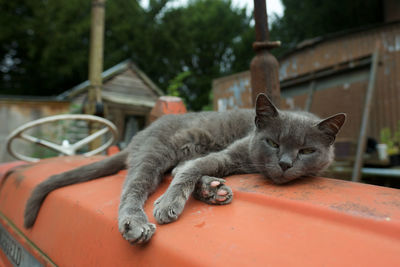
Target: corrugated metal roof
(339, 66)
(320, 39)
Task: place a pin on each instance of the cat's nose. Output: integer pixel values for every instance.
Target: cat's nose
(285, 165)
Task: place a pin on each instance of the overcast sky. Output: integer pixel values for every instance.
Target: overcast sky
(273, 6)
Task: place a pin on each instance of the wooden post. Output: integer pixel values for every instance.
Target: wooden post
(96, 58)
(362, 139)
(95, 104)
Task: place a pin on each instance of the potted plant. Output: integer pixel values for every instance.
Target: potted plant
(392, 142)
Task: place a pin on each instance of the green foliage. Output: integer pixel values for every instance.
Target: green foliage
(396, 135)
(177, 83)
(391, 140)
(44, 44)
(75, 108)
(386, 137)
(209, 106)
(204, 38)
(200, 38)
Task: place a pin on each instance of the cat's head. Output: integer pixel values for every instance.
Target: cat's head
(287, 145)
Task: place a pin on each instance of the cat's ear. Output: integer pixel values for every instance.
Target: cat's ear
(264, 110)
(331, 126)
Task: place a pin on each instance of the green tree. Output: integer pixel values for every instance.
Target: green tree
(44, 45)
(131, 32)
(201, 38)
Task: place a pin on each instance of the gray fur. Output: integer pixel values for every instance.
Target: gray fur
(201, 147)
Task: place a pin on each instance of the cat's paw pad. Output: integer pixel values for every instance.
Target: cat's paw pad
(136, 232)
(212, 190)
(167, 211)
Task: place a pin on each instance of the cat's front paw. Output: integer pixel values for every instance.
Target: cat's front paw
(166, 211)
(212, 190)
(135, 230)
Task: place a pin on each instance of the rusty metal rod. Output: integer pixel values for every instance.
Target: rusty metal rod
(264, 67)
(261, 18)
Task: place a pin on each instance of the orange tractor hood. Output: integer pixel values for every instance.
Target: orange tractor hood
(310, 222)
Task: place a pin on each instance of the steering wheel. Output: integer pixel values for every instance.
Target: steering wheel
(65, 148)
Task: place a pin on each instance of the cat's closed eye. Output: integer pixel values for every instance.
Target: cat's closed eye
(307, 151)
(271, 143)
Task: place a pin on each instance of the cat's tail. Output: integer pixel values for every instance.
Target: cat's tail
(85, 173)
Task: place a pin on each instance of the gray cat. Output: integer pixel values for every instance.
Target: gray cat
(281, 145)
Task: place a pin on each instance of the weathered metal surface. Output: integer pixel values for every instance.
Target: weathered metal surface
(167, 105)
(347, 57)
(232, 92)
(261, 20)
(331, 52)
(264, 67)
(317, 221)
(13, 253)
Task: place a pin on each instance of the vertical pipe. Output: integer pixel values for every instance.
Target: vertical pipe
(96, 57)
(362, 138)
(261, 18)
(264, 67)
(310, 96)
(95, 105)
